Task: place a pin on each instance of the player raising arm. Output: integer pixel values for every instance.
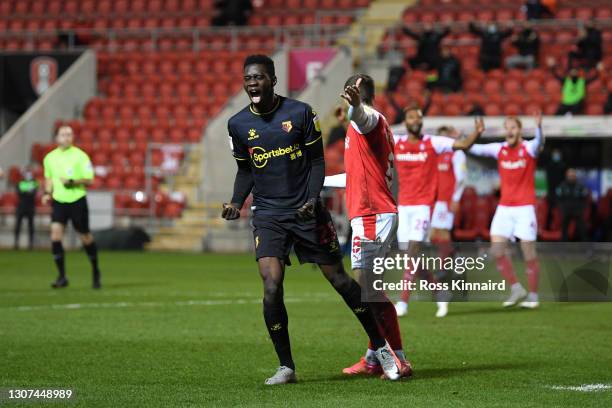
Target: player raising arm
(515, 215)
(277, 144)
(416, 157)
(368, 159)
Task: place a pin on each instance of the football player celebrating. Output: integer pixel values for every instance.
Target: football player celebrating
(277, 144)
(416, 157)
(515, 215)
(368, 160)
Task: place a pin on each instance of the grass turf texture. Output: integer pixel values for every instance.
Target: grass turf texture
(187, 330)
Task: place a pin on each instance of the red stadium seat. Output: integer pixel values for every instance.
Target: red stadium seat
(492, 86)
(512, 86)
(531, 86)
(594, 109)
(492, 109)
(552, 86)
(452, 109)
(513, 109)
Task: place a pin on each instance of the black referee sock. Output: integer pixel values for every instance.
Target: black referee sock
(351, 293)
(92, 254)
(58, 255)
(277, 321)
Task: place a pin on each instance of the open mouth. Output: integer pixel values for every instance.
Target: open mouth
(255, 95)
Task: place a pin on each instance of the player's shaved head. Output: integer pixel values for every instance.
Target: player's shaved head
(260, 59)
(366, 87)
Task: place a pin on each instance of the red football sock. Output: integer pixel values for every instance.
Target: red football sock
(445, 247)
(387, 318)
(504, 266)
(409, 277)
(533, 273)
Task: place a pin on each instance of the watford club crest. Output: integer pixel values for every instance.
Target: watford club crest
(287, 126)
(43, 74)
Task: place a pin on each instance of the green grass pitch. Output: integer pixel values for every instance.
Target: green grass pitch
(187, 331)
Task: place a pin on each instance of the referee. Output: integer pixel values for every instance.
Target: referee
(68, 171)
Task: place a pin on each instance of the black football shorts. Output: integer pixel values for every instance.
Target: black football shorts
(314, 241)
(76, 212)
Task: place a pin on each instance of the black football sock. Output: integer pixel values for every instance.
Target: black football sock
(351, 293)
(277, 321)
(92, 254)
(58, 255)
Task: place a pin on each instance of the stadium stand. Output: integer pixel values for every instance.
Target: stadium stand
(505, 92)
(162, 73)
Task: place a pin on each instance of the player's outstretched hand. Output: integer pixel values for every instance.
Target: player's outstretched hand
(230, 211)
(46, 198)
(352, 94)
(479, 125)
(308, 210)
(538, 118)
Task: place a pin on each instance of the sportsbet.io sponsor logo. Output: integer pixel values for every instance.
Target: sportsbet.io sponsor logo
(260, 156)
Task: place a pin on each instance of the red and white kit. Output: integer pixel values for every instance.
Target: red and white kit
(417, 170)
(451, 183)
(368, 160)
(515, 215)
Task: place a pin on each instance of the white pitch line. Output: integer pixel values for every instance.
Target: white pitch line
(582, 388)
(116, 305)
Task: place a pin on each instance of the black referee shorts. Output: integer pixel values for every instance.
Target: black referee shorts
(314, 241)
(77, 212)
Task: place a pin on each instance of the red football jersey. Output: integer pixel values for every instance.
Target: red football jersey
(516, 167)
(368, 161)
(450, 166)
(417, 168)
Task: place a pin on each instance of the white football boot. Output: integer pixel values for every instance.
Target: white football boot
(517, 292)
(284, 375)
(389, 362)
(401, 308)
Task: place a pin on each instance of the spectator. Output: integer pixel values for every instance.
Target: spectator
(527, 43)
(588, 51)
(338, 132)
(574, 86)
(449, 73)
(537, 9)
(397, 69)
(572, 197)
(428, 46)
(548, 8)
(533, 9)
(232, 12)
(26, 191)
(555, 172)
(491, 45)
